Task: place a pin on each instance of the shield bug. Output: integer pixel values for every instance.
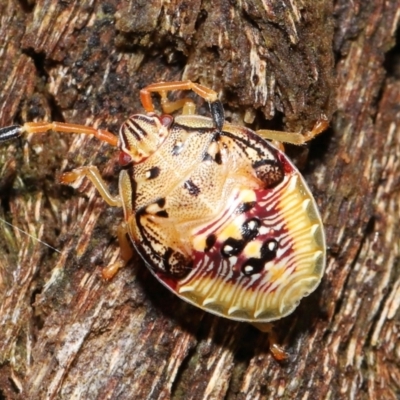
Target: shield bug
(220, 216)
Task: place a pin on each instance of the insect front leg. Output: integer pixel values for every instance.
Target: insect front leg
(15, 131)
(163, 87)
(188, 106)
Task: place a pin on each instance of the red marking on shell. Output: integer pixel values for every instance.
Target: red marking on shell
(243, 256)
(287, 167)
(172, 283)
(212, 265)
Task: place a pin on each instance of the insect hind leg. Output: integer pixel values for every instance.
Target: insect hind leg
(126, 253)
(295, 137)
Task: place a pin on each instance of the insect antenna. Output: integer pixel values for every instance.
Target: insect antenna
(10, 133)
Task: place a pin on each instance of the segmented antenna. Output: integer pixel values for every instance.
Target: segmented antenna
(10, 132)
(217, 113)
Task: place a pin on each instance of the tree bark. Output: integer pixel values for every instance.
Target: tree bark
(65, 333)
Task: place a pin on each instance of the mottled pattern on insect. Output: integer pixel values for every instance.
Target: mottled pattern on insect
(221, 217)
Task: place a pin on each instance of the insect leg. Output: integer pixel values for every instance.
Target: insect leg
(126, 253)
(275, 348)
(92, 173)
(15, 131)
(163, 87)
(295, 137)
(187, 105)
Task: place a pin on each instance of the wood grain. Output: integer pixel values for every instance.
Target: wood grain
(65, 333)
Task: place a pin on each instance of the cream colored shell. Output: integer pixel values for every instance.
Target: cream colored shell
(223, 219)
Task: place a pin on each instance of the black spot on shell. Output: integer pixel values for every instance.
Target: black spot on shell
(161, 202)
(191, 188)
(268, 250)
(153, 172)
(207, 157)
(162, 214)
(252, 266)
(176, 264)
(250, 229)
(232, 247)
(217, 159)
(256, 265)
(210, 241)
(270, 172)
(216, 137)
(245, 207)
(177, 149)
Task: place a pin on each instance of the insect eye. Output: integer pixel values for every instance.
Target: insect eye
(124, 159)
(166, 120)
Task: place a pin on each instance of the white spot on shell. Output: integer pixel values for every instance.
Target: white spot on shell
(248, 269)
(272, 246)
(233, 260)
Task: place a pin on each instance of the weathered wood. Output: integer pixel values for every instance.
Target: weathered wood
(67, 334)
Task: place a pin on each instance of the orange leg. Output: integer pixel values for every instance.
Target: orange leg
(278, 352)
(163, 87)
(12, 132)
(295, 137)
(92, 173)
(186, 104)
(126, 253)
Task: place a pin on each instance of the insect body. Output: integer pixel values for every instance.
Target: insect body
(221, 217)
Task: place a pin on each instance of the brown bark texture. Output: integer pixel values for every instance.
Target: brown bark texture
(67, 334)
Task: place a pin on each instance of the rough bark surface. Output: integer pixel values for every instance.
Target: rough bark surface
(65, 333)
